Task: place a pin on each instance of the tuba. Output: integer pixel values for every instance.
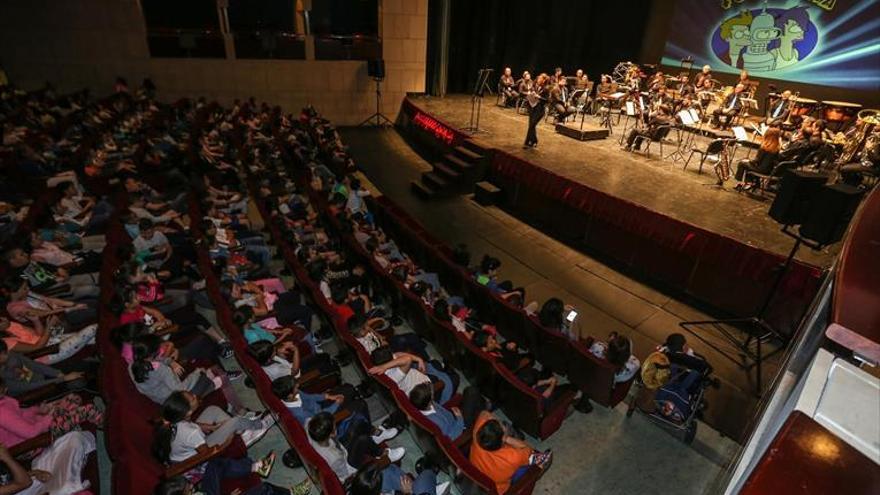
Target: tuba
(855, 136)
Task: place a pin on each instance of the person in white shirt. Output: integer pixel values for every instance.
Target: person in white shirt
(180, 437)
(406, 370)
(345, 455)
(618, 352)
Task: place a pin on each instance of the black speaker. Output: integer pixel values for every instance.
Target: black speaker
(376, 68)
(830, 213)
(796, 191)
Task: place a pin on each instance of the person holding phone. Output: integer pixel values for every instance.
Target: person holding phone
(556, 315)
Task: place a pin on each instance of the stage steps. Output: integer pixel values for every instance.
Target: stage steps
(455, 172)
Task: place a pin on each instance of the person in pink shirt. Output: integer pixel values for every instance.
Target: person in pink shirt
(57, 417)
(24, 339)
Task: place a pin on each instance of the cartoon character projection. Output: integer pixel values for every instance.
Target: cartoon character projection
(762, 31)
(735, 31)
(793, 24)
(768, 39)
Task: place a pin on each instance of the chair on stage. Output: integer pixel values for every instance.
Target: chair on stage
(712, 153)
(766, 181)
(502, 101)
(522, 106)
(658, 136)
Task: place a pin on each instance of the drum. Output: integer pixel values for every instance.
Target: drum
(840, 111)
(803, 106)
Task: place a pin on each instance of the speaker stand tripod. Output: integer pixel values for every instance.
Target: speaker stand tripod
(378, 119)
(756, 328)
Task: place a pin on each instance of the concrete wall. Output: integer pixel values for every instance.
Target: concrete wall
(86, 43)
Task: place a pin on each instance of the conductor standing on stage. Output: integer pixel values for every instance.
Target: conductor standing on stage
(536, 99)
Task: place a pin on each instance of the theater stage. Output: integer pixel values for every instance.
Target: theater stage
(659, 185)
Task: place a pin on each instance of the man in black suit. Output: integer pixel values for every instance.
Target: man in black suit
(729, 108)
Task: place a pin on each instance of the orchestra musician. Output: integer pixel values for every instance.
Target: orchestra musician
(686, 103)
(606, 87)
(780, 108)
(536, 99)
(705, 92)
(559, 98)
(653, 131)
(633, 78)
(661, 99)
(730, 107)
(868, 163)
(766, 158)
(686, 88)
(704, 75)
(507, 86)
(582, 80)
(748, 84)
(557, 75)
(657, 82)
(526, 85)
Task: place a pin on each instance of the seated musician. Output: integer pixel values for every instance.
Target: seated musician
(686, 103)
(804, 142)
(606, 87)
(703, 76)
(581, 80)
(507, 87)
(744, 79)
(657, 82)
(729, 108)
(779, 109)
(557, 75)
(559, 100)
(765, 160)
(687, 88)
(526, 85)
(661, 98)
(868, 161)
(705, 92)
(654, 131)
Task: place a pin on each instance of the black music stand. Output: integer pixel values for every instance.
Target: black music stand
(757, 330)
(687, 64)
(378, 119)
(480, 88)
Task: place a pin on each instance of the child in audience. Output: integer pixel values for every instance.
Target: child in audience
(345, 454)
(179, 437)
(502, 457)
(57, 417)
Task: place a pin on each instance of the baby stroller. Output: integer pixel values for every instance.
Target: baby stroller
(670, 390)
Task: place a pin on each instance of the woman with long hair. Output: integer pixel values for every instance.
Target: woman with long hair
(179, 436)
(536, 99)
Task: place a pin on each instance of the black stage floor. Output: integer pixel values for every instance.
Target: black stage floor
(653, 182)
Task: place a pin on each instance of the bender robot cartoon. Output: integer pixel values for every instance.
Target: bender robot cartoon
(763, 30)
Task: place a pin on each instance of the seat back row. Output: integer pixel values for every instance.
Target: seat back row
(594, 376)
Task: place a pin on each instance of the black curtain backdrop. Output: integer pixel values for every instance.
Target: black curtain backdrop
(539, 35)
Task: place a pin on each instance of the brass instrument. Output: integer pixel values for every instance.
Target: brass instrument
(855, 136)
